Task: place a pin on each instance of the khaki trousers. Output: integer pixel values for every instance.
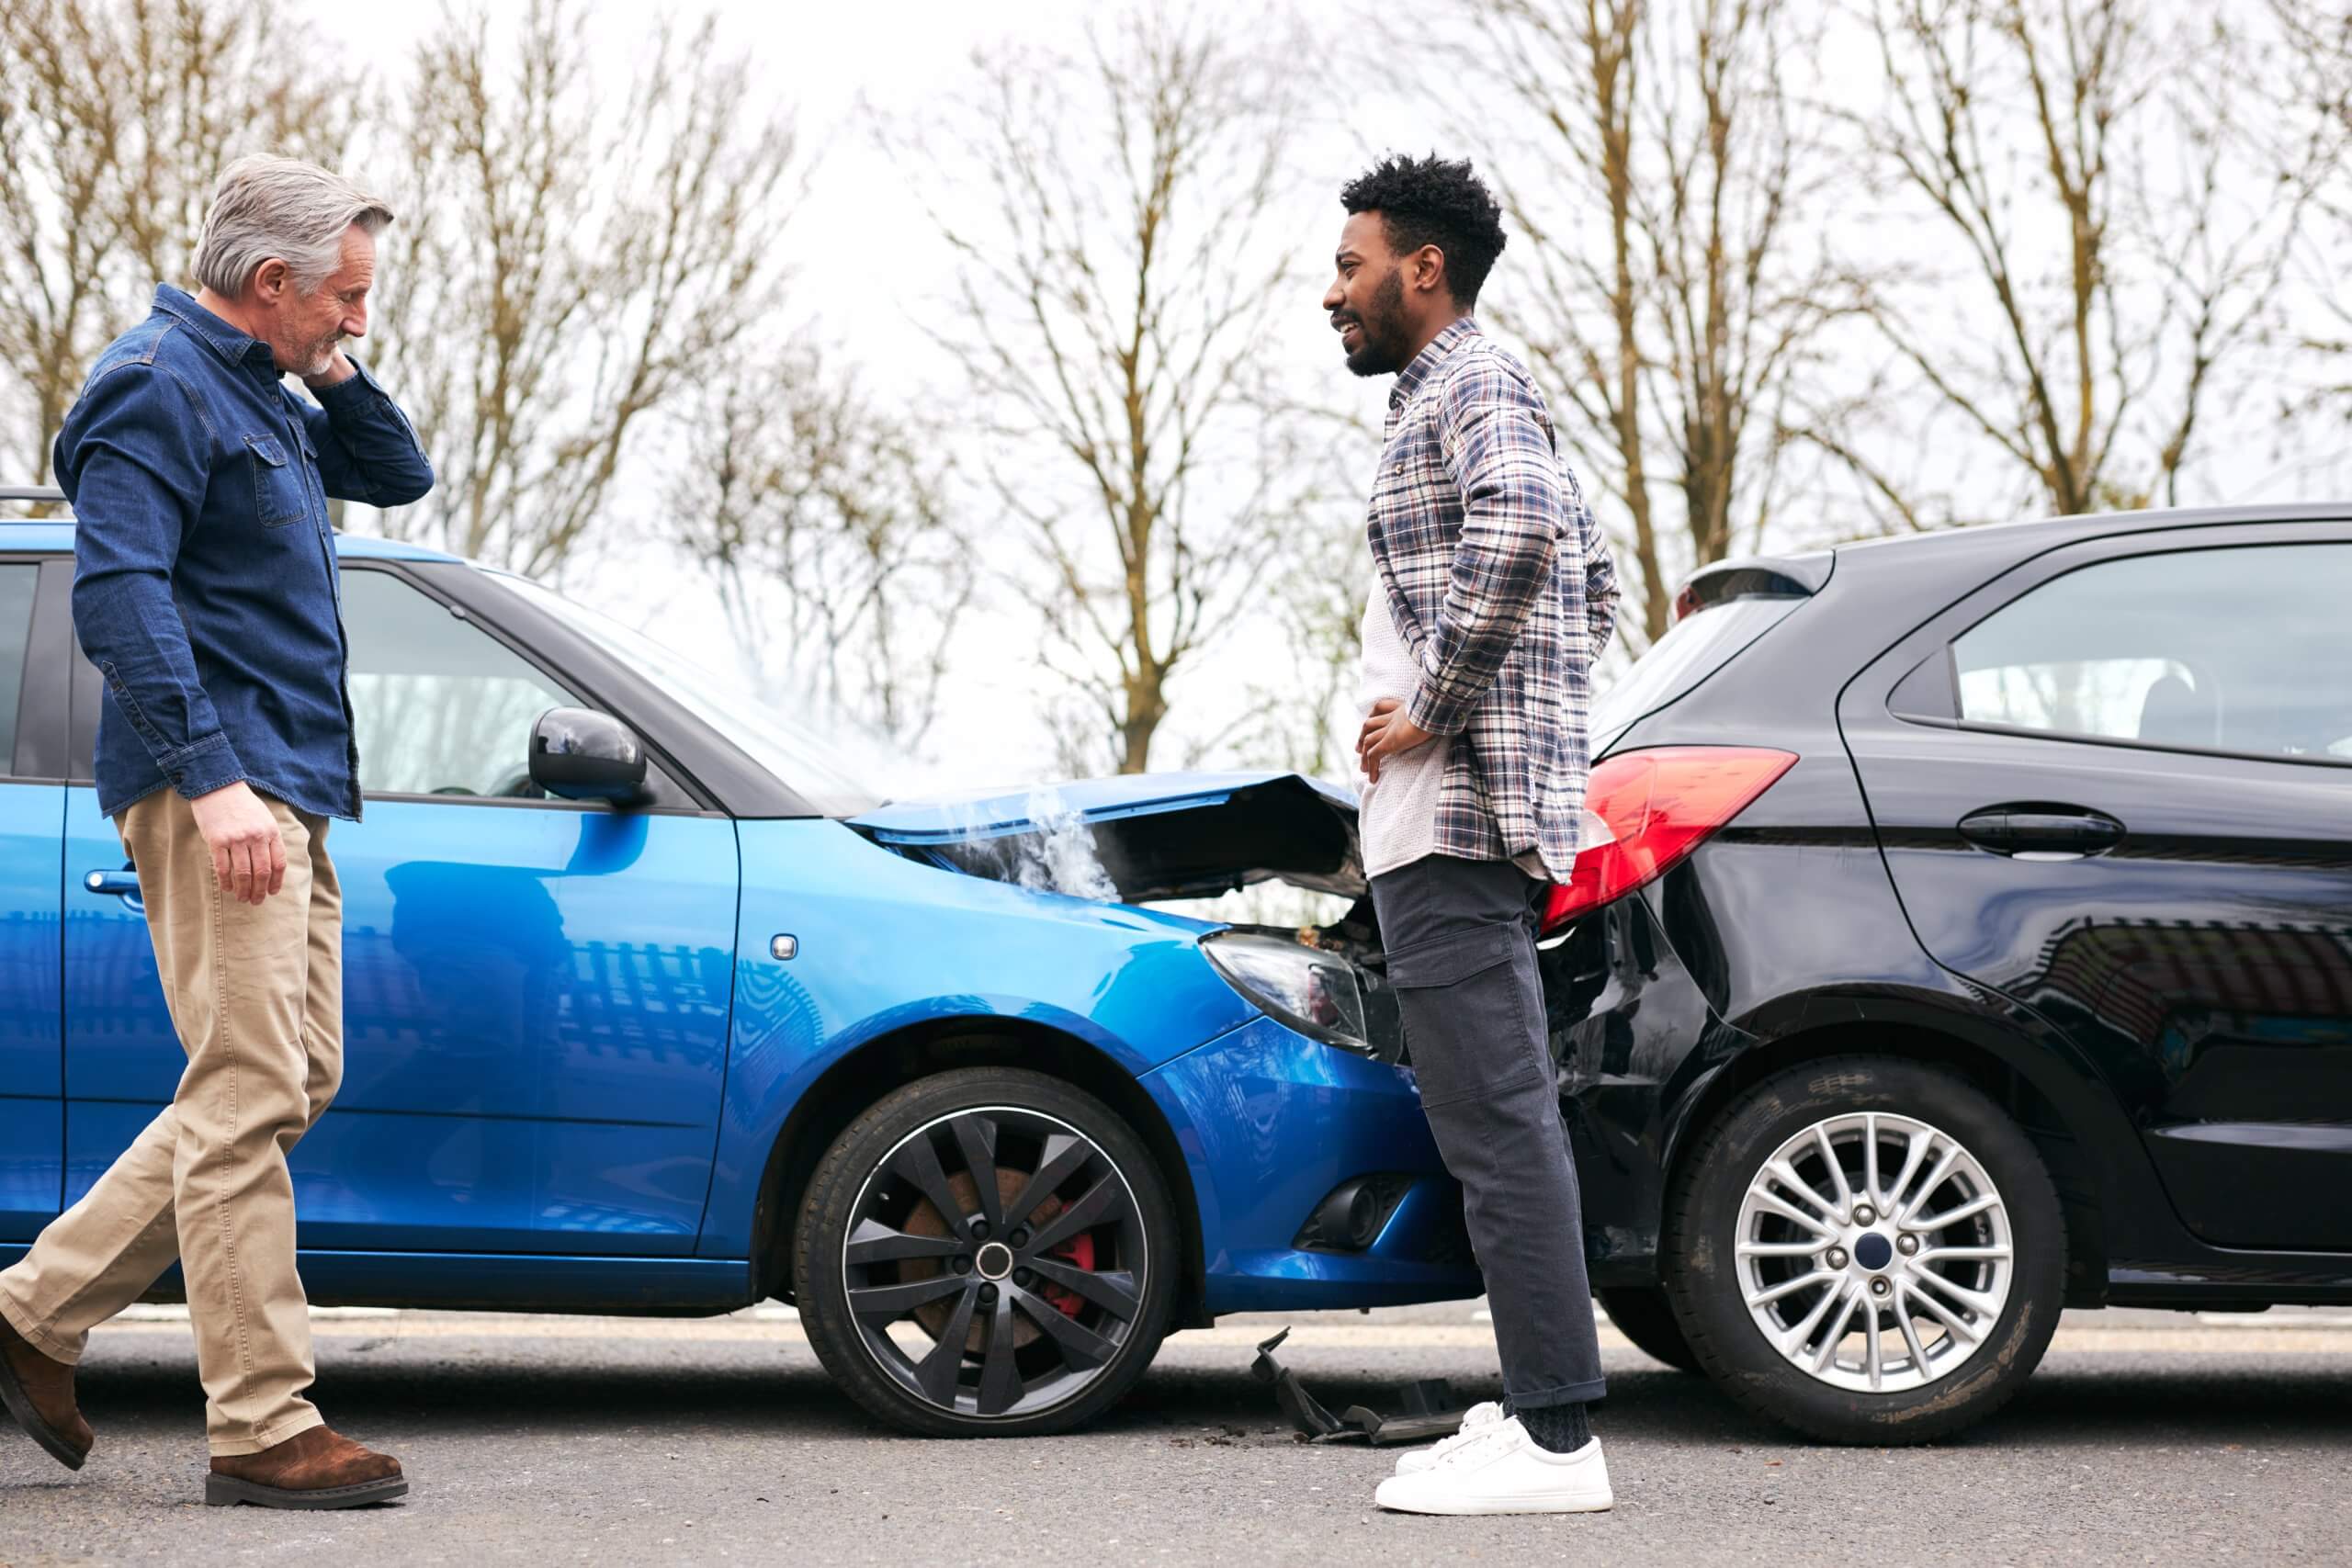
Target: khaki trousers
(256, 996)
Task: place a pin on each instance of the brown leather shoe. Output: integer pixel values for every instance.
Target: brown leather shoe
(40, 1393)
(314, 1468)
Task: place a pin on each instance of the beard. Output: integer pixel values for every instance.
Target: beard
(1382, 326)
(319, 357)
(312, 358)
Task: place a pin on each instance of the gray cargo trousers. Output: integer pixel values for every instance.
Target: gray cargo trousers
(1460, 936)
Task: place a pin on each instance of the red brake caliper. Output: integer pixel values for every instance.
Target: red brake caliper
(1079, 1253)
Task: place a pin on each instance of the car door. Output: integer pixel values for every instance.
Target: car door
(2116, 784)
(535, 992)
(32, 810)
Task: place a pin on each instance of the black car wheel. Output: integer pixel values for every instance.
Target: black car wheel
(986, 1253)
(1643, 1314)
(1867, 1249)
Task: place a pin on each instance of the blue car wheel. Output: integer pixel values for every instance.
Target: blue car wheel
(987, 1253)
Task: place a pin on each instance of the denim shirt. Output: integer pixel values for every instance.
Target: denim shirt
(205, 584)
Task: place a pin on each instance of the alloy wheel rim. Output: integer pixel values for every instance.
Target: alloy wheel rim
(1874, 1253)
(996, 1263)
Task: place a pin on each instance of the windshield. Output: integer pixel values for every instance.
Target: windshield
(805, 759)
(1692, 649)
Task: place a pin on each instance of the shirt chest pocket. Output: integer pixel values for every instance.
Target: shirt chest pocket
(1411, 485)
(279, 495)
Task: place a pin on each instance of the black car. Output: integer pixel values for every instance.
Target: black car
(1976, 943)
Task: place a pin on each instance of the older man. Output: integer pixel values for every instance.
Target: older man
(205, 591)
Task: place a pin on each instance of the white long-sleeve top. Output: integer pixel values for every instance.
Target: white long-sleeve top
(1396, 817)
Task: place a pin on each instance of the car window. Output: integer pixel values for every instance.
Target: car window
(2241, 650)
(438, 706)
(1692, 649)
(811, 764)
(16, 584)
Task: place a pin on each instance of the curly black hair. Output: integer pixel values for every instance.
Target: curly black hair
(1430, 201)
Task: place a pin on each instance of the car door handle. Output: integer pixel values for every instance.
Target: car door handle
(113, 883)
(2042, 832)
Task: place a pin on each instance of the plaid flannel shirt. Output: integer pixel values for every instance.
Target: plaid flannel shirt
(1503, 590)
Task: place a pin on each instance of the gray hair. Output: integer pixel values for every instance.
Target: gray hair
(295, 211)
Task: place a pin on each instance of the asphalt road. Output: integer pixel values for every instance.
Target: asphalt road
(2144, 1438)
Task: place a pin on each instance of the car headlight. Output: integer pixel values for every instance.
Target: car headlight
(1321, 994)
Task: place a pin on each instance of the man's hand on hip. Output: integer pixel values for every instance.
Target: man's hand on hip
(1386, 733)
(248, 852)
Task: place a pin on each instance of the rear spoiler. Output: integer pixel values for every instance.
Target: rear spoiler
(1754, 577)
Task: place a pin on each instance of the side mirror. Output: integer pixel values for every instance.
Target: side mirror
(580, 754)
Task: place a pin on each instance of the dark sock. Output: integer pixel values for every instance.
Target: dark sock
(1557, 1428)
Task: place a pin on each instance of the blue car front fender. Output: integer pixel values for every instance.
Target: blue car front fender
(883, 945)
(1270, 1123)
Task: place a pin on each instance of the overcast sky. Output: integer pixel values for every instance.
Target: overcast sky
(867, 266)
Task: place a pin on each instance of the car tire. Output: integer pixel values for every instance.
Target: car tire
(1968, 1305)
(1056, 1302)
(1643, 1314)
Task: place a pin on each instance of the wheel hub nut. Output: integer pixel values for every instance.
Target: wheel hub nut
(1844, 1213)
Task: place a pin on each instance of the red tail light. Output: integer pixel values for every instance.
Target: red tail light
(1661, 803)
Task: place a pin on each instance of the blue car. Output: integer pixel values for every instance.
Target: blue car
(651, 1009)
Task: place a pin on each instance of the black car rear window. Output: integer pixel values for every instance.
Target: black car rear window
(1692, 649)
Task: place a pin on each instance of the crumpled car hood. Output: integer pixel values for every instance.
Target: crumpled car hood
(1155, 835)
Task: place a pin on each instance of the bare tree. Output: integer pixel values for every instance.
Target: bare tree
(2109, 250)
(1671, 288)
(826, 522)
(1110, 212)
(1297, 710)
(579, 257)
(117, 120)
(2315, 153)
(1293, 717)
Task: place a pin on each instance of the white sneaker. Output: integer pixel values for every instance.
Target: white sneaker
(1502, 1470)
(1475, 1420)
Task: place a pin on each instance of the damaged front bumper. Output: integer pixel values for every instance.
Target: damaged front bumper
(1425, 1408)
(1317, 1182)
